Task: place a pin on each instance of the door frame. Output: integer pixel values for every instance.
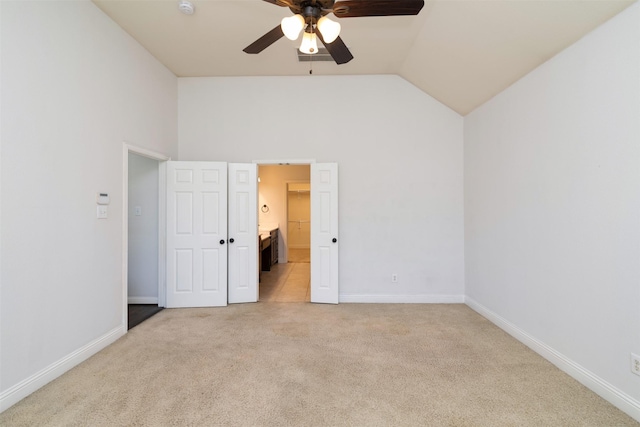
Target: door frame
(162, 187)
(285, 162)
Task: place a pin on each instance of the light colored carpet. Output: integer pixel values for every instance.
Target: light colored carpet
(283, 364)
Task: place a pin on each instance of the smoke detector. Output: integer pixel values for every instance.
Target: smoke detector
(186, 7)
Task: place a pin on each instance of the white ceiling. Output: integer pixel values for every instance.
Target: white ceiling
(461, 52)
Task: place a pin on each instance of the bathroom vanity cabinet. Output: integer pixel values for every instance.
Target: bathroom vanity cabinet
(268, 249)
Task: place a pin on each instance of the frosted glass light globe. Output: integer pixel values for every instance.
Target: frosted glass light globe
(309, 43)
(329, 29)
(291, 26)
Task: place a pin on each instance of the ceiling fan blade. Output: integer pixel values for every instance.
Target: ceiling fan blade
(337, 49)
(265, 41)
(356, 8)
(278, 2)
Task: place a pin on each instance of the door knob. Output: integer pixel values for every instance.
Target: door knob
(222, 242)
(334, 240)
(231, 240)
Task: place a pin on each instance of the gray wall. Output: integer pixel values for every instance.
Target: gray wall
(399, 153)
(75, 87)
(552, 202)
(142, 277)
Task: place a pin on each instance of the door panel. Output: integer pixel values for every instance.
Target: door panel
(324, 233)
(210, 269)
(243, 229)
(184, 270)
(210, 203)
(196, 226)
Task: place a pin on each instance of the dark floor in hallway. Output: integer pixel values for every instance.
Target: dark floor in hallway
(138, 313)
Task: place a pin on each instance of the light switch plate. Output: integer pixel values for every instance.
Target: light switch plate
(102, 211)
(138, 210)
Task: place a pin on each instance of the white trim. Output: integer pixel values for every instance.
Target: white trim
(285, 162)
(608, 392)
(147, 153)
(125, 233)
(24, 388)
(162, 234)
(161, 158)
(403, 299)
(142, 300)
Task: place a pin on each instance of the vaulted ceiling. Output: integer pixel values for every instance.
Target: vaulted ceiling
(461, 52)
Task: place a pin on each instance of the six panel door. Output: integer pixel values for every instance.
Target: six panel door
(243, 232)
(204, 269)
(324, 233)
(196, 234)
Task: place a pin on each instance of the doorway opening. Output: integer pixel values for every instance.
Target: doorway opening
(143, 261)
(284, 220)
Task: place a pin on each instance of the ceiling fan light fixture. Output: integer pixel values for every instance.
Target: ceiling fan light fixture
(329, 29)
(292, 25)
(309, 43)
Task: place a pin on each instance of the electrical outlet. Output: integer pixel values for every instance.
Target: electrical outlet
(394, 278)
(635, 364)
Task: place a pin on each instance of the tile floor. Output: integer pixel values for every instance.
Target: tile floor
(299, 255)
(286, 283)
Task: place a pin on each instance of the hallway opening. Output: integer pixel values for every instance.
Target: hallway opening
(288, 282)
(143, 260)
(284, 201)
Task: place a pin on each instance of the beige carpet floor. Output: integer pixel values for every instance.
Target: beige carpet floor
(287, 364)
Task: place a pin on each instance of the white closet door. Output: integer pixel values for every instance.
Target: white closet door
(196, 234)
(243, 233)
(324, 233)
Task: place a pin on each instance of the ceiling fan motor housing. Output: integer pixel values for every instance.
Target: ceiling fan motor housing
(312, 14)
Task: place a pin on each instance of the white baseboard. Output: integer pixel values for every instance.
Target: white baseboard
(402, 299)
(142, 300)
(24, 388)
(608, 392)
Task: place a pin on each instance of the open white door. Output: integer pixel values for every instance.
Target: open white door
(243, 232)
(324, 233)
(196, 234)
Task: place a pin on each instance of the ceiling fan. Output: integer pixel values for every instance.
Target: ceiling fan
(310, 16)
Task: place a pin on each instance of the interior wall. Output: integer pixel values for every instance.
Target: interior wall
(552, 201)
(272, 191)
(142, 274)
(400, 159)
(75, 87)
